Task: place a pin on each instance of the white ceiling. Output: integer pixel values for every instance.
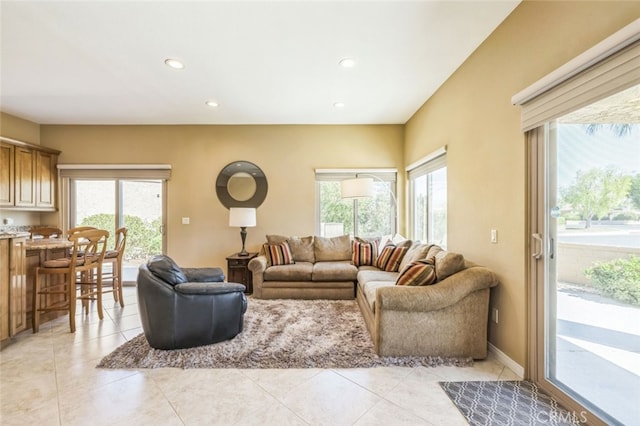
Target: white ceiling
(265, 62)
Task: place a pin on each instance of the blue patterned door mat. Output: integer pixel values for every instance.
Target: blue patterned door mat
(512, 403)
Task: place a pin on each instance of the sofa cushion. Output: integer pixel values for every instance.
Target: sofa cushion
(366, 275)
(334, 271)
(433, 250)
(364, 252)
(301, 247)
(166, 269)
(300, 271)
(369, 290)
(417, 273)
(390, 258)
(335, 248)
(417, 251)
(278, 254)
(448, 263)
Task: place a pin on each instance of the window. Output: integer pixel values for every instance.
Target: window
(366, 217)
(428, 199)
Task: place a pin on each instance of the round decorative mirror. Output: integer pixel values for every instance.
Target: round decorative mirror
(241, 184)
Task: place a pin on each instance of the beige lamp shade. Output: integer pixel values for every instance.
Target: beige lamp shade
(357, 188)
(242, 217)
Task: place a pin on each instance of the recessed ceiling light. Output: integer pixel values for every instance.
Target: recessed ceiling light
(347, 63)
(174, 63)
(212, 104)
(338, 104)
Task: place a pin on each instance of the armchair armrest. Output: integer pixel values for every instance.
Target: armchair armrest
(209, 288)
(203, 275)
(438, 296)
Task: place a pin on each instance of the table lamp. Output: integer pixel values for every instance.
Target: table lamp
(242, 217)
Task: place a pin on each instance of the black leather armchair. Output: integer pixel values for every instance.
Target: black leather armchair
(187, 307)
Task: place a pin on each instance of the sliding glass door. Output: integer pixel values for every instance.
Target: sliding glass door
(585, 181)
(111, 203)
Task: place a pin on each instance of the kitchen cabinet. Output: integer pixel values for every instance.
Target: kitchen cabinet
(4, 289)
(46, 179)
(7, 159)
(25, 177)
(28, 177)
(18, 288)
(13, 287)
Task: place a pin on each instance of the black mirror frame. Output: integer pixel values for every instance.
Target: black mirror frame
(236, 167)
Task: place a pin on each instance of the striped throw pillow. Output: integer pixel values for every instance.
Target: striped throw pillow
(278, 254)
(364, 252)
(390, 258)
(419, 272)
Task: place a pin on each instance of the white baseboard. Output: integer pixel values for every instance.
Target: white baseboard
(508, 362)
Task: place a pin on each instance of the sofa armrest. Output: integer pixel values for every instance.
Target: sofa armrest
(438, 296)
(258, 264)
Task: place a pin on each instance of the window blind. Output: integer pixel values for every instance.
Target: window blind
(115, 171)
(387, 175)
(428, 167)
(609, 67)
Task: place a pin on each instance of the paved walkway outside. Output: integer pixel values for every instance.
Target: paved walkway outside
(598, 351)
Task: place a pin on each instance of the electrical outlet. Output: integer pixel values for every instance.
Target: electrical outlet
(494, 236)
(494, 315)
(185, 220)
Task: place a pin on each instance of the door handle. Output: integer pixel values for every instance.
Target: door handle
(538, 254)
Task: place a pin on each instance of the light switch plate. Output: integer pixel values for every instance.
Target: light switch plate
(185, 220)
(494, 236)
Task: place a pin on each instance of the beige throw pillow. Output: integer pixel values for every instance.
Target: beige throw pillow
(301, 247)
(417, 251)
(448, 263)
(336, 248)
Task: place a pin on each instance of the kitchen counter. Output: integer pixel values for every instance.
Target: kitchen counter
(48, 244)
(7, 235)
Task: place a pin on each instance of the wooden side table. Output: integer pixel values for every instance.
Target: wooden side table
(238, 270)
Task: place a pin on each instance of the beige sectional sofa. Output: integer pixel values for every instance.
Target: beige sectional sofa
(447, 318)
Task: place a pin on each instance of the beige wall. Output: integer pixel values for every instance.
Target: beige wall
(473, 115)
(17, 128)
(288, 155)
(26, 131)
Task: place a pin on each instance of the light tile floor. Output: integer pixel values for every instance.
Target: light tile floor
(50, 379)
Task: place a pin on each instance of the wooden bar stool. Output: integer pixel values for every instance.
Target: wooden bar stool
(79, 272)
(46, 232)
(114, 257)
